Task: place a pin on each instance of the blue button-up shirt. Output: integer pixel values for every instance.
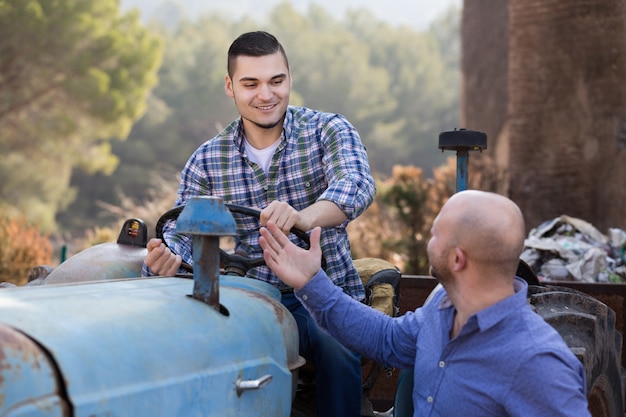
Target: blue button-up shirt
(320, 157)
(506, 361)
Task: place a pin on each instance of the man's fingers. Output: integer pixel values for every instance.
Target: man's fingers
(314, 238)
(278, 236)
(269, 212)
(153, 244)
(270, 248)
(160, 259)
(280, 213)
(176, 261)
(268, 240)
(170, 264)
(264, 216)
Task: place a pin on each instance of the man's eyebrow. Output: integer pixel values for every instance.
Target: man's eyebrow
(275, 77)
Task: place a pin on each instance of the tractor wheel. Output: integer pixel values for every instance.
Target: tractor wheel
(588, 327)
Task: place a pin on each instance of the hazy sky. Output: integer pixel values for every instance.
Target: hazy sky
(415, 13)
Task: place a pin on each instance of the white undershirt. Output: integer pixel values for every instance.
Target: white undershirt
(262, 157)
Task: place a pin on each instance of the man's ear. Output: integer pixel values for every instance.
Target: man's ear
(228, 86)
(460, 259)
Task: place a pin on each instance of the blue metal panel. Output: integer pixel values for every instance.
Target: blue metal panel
(144, 347)
(206, 215)
(27, 378)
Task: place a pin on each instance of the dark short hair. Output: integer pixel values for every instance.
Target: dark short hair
(257, 43)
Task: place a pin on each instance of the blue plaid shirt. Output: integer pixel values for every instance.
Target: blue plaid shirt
(506, 361)
(320, 157)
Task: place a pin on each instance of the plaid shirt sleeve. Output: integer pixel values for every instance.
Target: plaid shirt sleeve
(351, 185)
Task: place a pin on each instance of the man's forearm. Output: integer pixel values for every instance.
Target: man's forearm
(323, 213)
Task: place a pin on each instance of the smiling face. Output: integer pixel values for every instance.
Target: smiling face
(260, 87)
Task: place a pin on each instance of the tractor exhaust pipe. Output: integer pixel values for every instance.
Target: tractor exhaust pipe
(206, 219)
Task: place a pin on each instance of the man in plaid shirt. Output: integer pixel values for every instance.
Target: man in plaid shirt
(302, 168)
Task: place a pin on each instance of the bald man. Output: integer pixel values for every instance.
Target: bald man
(477, 348)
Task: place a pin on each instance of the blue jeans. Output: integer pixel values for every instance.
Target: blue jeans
(337, 369)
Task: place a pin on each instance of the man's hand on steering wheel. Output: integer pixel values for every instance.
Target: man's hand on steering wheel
(160, 258)
(282, 215)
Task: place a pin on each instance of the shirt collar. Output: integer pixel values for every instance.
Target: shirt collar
(239, 137)
(490, 316)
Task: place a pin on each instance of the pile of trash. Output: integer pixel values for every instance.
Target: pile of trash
(570, 249)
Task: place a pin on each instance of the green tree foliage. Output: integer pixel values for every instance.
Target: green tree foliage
(73, 75)
(424, 72)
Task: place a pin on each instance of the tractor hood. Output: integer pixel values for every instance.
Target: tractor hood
(146, 347)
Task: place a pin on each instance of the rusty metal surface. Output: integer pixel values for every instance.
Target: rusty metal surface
(206, 215)
(206, 219)
(28, 381)
(206, 272)
(145, 347)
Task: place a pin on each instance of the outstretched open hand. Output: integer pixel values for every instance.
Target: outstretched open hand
(292, 264)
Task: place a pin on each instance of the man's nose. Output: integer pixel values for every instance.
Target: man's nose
(265, 92)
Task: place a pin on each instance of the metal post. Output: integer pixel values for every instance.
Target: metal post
(206, 219)
(462, 141)
(206, 261)
(462, 167)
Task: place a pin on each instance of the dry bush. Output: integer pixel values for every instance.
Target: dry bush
(371, 233)
(440, 188)
(23, 247)
(397, 226)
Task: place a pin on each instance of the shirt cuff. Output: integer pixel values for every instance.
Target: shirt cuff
(317, 291)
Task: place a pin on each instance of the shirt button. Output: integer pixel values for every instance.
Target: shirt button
(304, 297)
(430, 399)
(442, 364)
(266, 187)
(307, 184)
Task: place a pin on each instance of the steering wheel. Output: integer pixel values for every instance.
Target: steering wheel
(231, 263)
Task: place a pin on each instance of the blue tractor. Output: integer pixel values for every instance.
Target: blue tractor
(93, 338)
(164, 346)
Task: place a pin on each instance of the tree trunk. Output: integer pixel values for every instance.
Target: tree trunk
(566, 89)
(564, 131)
(484, 65)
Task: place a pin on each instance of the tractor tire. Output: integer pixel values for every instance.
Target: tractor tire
(588, 327)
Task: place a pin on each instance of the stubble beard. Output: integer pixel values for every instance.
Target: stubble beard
(439, 271)
(268, 126)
